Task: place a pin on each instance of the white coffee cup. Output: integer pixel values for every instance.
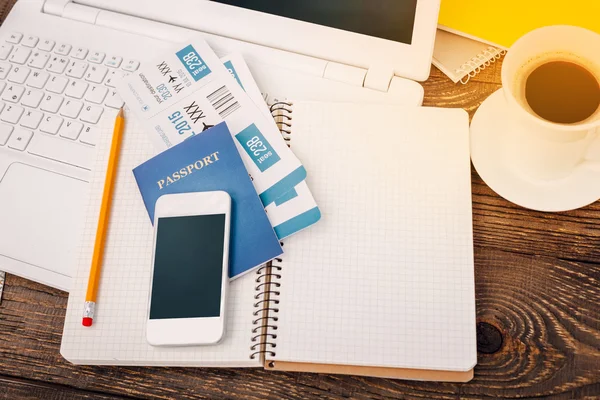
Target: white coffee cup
(539, 149)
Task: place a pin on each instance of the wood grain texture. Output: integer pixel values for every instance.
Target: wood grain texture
(23, 389)
(537, 287)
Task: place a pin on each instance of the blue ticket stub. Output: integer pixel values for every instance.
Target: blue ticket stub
(289, 210)
(188, 90)
(257, 147)
(194, 64)
(233, 72)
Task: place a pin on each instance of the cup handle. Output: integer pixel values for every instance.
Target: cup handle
(592, 139)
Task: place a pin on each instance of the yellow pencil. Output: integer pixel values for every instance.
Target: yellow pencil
(109, 183)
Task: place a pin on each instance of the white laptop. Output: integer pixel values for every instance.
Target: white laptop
(59, 59)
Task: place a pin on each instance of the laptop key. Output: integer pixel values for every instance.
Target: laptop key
(20, 55)
(110, 80)
(5, 131)
(57, 64)
(39, 59)
(46, 45)
(11, 114)
(96, 94)
(77, 69)
(31, 119)
(57, 84)
(71, 130)
(13, 93)
(80, 53)
(131, 65)
(32, 98)
(19, 74)
(113, 61)
(30, 41)
(96, 74)
(63, 49)
(76, 89)
(38, 79)
(20, 139)
(96, 57)
(51, 103)
(71, 108)
(14, 37)
(5, 50)
(61, 150)
(4, 69)
(114, 100)
(91, 114)
(90, 135)
(51, 124)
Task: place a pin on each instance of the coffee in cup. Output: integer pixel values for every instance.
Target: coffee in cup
(560, 88)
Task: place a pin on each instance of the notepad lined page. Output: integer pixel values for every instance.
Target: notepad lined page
(386, 277)
(118, 335)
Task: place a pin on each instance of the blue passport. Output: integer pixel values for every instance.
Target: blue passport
(209, 162)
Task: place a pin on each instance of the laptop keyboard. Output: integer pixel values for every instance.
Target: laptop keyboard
(52, 96)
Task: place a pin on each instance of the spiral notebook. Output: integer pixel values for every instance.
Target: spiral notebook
(461, 58)
(382, 286)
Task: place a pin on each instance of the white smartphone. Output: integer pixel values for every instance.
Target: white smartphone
(189, 269)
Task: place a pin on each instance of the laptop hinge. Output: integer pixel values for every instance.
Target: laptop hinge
(55, 7)
(345, 73)
(69, 10)
(379, 77)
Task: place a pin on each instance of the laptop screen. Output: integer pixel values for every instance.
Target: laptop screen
(386, 19)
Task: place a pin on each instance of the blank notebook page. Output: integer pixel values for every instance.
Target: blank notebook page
(386, 277)
(118, 335)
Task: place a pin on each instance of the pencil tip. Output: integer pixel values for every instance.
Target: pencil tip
(120, 115)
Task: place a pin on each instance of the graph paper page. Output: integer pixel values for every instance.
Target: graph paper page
(386, 277)
(118, 335)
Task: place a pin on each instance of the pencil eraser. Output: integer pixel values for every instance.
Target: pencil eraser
(87, 321)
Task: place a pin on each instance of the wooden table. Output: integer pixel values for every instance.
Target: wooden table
(538, 295)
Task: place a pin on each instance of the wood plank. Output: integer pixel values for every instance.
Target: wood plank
(5, 7)
(14, 388)
(545, 309)
(497, 223)
(442, 92)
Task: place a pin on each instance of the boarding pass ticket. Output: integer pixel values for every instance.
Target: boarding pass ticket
(187, 91)
(295, 210)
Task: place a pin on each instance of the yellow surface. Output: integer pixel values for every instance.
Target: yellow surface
(503, 22)
(111, 172)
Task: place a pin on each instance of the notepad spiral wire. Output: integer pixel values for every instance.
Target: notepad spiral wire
(268, 281)
(282, 114)
(269, 276)
(266, 309)
(478, 63)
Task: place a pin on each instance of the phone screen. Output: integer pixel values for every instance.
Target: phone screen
(188, 266)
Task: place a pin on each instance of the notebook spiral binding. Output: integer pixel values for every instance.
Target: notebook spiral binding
(268, 277)
(266, 310)
(478, 63)
(282, 114)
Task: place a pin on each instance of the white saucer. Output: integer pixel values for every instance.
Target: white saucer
(488, 136)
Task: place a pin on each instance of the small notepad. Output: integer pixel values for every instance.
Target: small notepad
(386, 279)
(462, 58)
